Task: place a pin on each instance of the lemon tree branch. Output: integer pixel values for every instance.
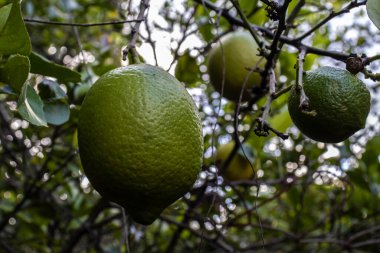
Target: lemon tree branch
(144, 5)
(370, 75)
(268, 74)
(368, 60)
(269, 34)
(48, 22)
(304, 100)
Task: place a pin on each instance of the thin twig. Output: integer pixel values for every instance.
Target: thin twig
(304, 100)
(332, 15)
(272, 91)
(185, 220)
(282, 91)
(275, 47)
(366, 243)
(48, 22)
(213, 241)
(269, 34)
(185, 34)
(292, 16)
(370, 75)
(144, 4)
(263, 127)
(368, 60)
(149, 40)
(359, 234)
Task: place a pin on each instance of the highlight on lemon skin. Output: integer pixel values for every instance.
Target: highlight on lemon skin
(140, 139)
(339, 104)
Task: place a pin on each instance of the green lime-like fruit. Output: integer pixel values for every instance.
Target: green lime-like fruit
(231, 63)
(338, 107)
(239, 168)
(140, 139)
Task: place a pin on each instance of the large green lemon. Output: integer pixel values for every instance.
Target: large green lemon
(230, 65)
(140, 139)
(339, 102)
(239, 168)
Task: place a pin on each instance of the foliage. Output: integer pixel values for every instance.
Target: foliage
(307, 196)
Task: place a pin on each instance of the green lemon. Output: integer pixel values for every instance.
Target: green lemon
(239, 168)
(140, 139)
(339, 102)
(230, 65)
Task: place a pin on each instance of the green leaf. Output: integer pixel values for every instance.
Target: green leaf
(373, 10)
(80, 92)
(56, 109)
(372, 148)
(102, 69)
(41, 65)
(4, 14)
(50, 90)
(16, 71)
(4, 2)
(358, 178)
(256, 15)
(187, 70)
(281, 121)
(204, 25)
(370, 159)
(30, 106)
(105, 62)
(56, 112)
(14, 38)
(248, 6)
(289, 60)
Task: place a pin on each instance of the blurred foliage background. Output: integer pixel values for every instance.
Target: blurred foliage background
(306, 196)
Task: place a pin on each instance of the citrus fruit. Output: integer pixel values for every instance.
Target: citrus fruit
(140, 139)
(239, 168)
(230, 65)
(338, 107)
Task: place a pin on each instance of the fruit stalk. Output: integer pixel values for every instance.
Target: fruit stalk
(272, 91)
(304, 100)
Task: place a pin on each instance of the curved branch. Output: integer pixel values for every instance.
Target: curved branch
(269, 34)
(144, 4)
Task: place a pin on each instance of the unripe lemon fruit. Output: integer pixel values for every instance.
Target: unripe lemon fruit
(140, 139)
(338, 107)
(239, 168)
(230, 65)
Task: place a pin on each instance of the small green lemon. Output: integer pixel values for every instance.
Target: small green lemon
(340, 103)
(230, 65)
(140, 139)
(239, 168)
